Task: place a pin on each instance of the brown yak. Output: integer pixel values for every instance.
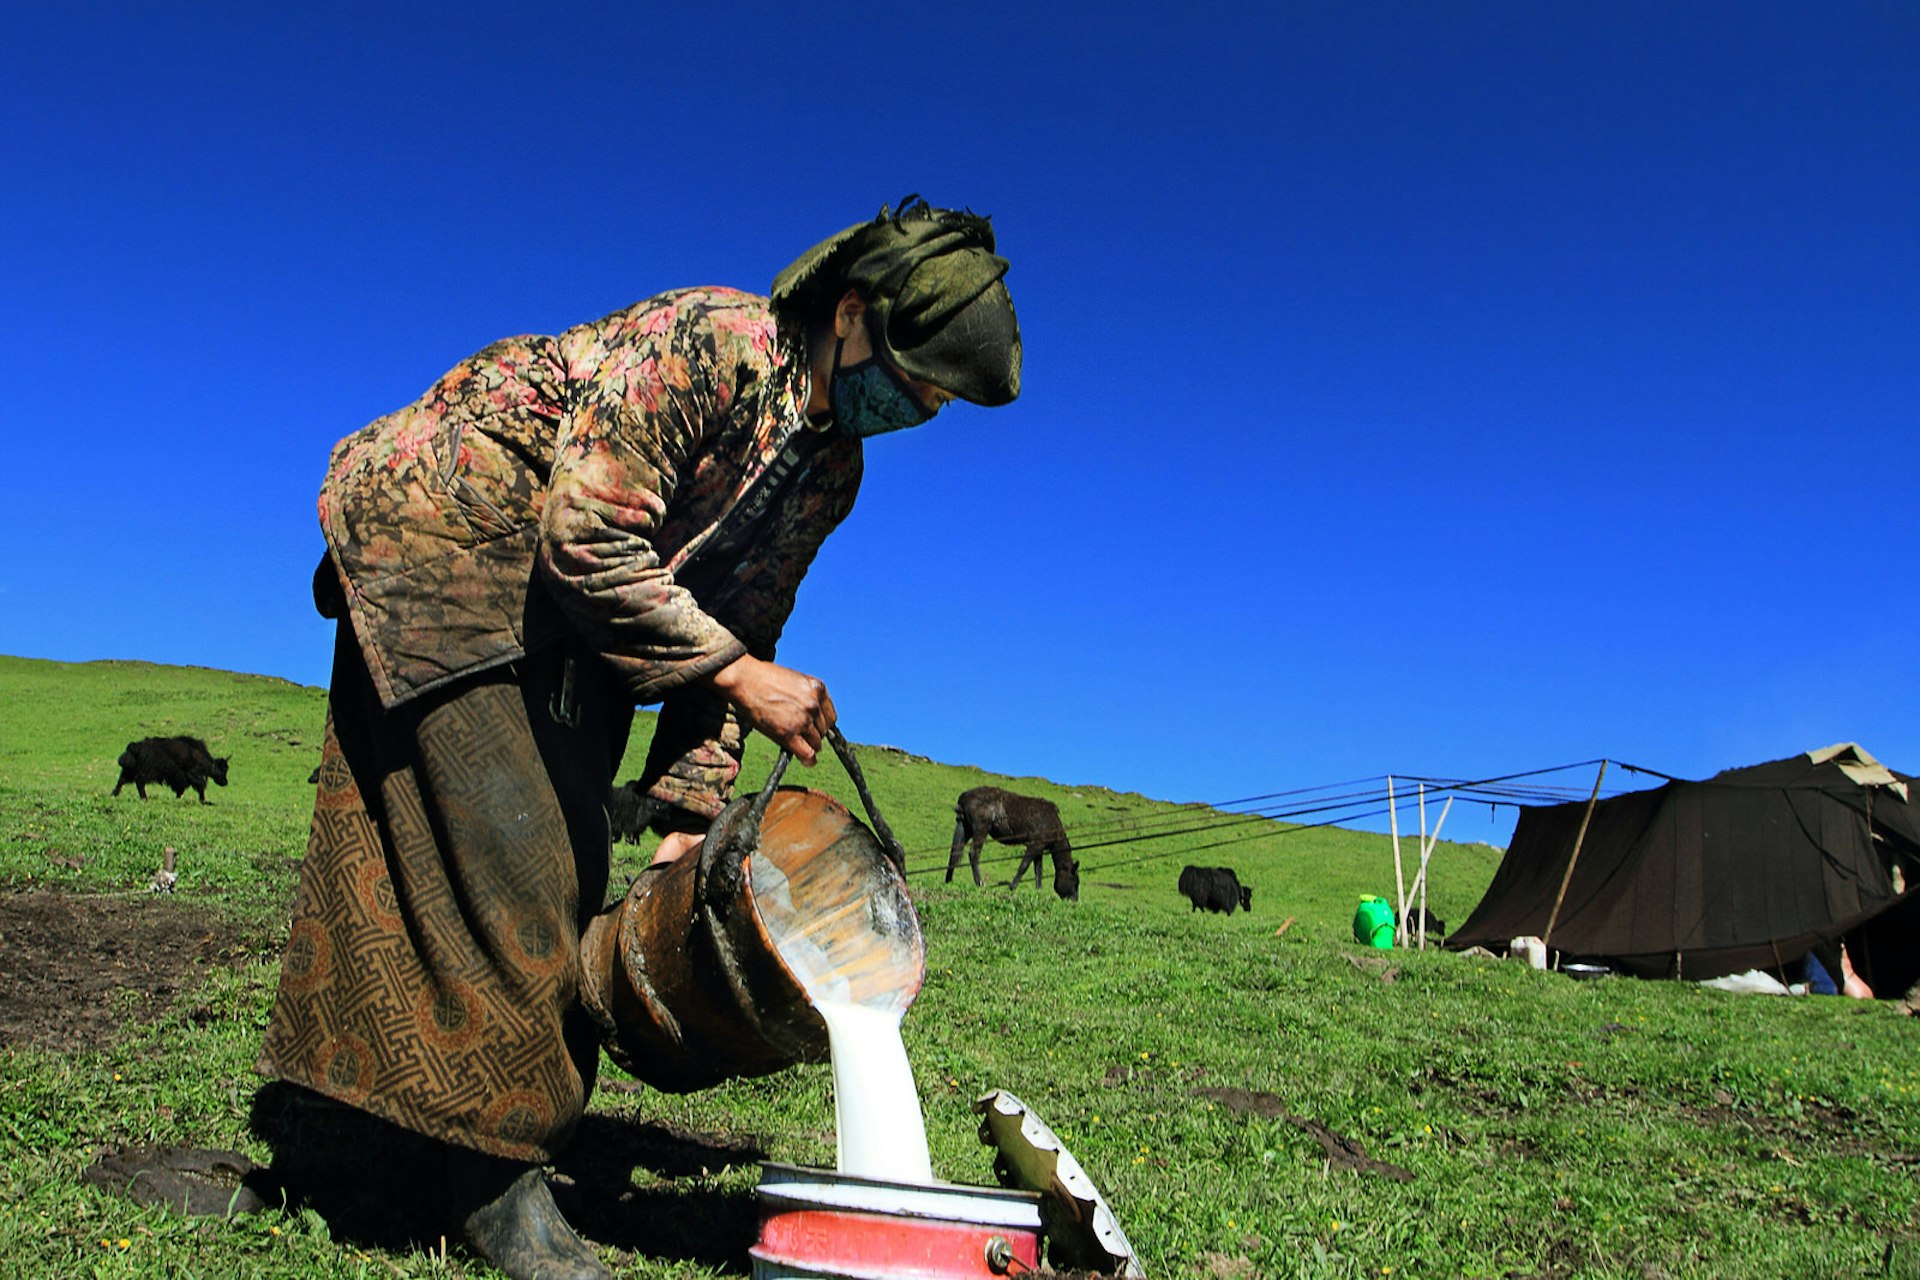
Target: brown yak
(992, 812)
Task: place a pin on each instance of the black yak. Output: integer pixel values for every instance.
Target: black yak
(984, 813)
(1436, 927)
(630, 810)
(177, 762)
(1215, 888)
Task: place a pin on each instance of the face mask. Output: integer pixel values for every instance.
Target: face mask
(870, 399)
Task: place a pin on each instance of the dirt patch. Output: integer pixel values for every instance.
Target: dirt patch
(1246, 1102)
(1347, 1153)
(1342, 1152)
(75, 969)
(1819, 1126)
(1223, 1266)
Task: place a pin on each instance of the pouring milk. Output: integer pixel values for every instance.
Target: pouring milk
(881, 1133)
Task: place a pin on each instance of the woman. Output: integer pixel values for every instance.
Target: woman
(559, 529)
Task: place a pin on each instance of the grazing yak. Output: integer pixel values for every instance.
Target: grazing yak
(629, 812)
(984, 813)
(178, 762)
(1215, 888)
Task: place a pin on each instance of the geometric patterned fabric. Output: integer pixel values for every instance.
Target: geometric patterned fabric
(458, 848)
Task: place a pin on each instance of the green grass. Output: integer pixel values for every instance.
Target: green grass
(1552, 1128)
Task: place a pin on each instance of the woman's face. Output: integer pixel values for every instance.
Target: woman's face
(856, 347)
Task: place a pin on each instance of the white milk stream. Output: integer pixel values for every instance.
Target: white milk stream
(875, 1104)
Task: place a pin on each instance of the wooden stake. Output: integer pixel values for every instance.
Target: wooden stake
(1420, 880)
(1546, 939)
(1423, 842)
(1419, 889)
(1399, 876)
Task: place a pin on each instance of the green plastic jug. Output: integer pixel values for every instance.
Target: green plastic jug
(1373, 923)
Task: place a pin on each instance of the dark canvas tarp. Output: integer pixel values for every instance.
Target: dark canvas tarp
(1749, 869)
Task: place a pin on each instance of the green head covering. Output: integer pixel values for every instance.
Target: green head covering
(936, 303)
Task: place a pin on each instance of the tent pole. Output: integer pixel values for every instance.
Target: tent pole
(1423, 865)
(1420, 878)
(1423, 855)
(1403, 934)
(1399, 876)
(1546, 939)
(1427, 844)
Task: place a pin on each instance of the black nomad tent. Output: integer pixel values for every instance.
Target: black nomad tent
(1750, 869)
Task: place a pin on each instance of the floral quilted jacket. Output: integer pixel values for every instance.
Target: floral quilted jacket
(646, 482)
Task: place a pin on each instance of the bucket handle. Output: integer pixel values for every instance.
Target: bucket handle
(721, 867)
(736, 833)
(841, 748)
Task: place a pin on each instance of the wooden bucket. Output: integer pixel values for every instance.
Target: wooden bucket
(705, 974)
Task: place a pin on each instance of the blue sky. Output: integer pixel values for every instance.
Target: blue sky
(1429, 388)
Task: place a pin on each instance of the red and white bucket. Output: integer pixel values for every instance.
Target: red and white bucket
(816, 1223)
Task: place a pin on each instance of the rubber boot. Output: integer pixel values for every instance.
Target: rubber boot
(503, 1212)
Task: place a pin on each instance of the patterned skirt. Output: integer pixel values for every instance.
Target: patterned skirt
(459, 846)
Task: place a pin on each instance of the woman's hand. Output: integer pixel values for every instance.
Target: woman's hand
(789, 707)
(674, 846)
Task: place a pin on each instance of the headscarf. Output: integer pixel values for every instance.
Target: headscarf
(937, 306)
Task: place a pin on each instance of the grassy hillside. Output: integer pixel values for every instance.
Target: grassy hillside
(1528, 1125)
